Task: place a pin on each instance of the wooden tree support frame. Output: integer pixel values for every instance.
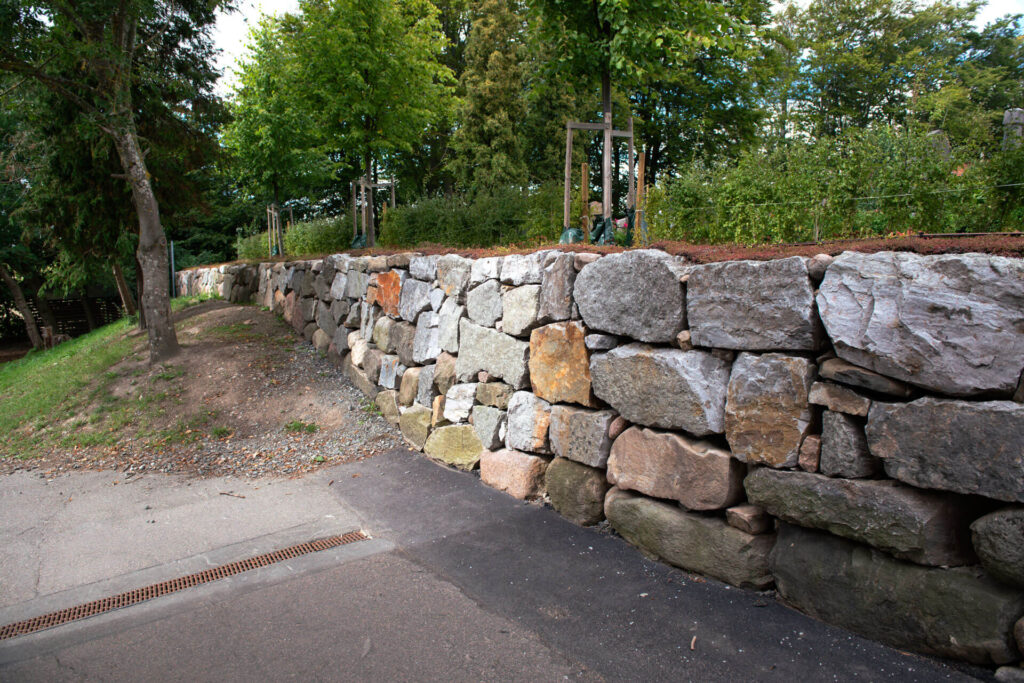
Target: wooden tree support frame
(364, 186)
(275, 233)
(606, 158)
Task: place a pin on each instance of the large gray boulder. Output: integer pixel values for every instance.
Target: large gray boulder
(999, 541)
(499, 355)
(698, 474)
(637, 294)
(767, 414)
(753, 306)
(579, 434)
(523, 269)
(954, 445)
(356, 284)
(414, 299)
(527, 423)
(557, 280)
(448, 325)
(958, 613)
(489, 424)
(519, 310)
(453, 275)
(426, 345)
(695, 542)
(949, 323)
(339, 286)
(844, 447)
(921, 526)
(665, 388)
(483, 303)
(423, 268)
(485, 269)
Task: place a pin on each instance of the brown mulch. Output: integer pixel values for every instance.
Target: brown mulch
(1000, 244)
(221, 406)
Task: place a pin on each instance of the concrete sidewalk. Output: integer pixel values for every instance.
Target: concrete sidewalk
(460, 582)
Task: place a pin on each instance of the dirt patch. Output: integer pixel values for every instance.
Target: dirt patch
(246, 396)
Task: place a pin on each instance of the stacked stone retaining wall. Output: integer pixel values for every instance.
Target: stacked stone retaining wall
(849, 431)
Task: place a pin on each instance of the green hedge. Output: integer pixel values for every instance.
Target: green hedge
(253, 247)
(866, 183)
(501, 216)
(318, 236)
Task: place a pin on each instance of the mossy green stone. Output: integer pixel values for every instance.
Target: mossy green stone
(457, 445)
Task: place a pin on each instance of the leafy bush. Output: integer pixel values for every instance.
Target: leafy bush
(504, 215)
(253, 247)
(317, 236)
(865, 183)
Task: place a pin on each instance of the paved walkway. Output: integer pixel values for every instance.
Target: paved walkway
(459, 582)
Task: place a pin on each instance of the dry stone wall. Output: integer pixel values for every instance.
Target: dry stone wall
(849, 431)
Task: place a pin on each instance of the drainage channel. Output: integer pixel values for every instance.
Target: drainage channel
(137, 595)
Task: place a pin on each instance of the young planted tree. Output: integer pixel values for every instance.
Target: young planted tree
(97, 55)
(370, 73)
(630, 43)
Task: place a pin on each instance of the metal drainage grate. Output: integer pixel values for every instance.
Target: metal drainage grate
(138, 595)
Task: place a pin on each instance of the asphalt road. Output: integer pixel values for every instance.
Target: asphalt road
(459, 582)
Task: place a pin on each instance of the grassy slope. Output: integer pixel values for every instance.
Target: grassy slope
(43, 390)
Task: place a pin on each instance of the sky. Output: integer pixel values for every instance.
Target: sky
(232, 30)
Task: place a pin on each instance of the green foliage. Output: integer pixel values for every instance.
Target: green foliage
(272, 142)
(254, 247)
(318, 236)
(300, 427)
(52, 385)
(864, 183)
(500, 216)
(369, 72)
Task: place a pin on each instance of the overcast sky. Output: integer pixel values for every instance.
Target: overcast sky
(231, 33)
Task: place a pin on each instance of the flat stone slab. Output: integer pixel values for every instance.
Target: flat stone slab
(921, 526)
(659, 387)
(753, 306)
(949, 323)
(692, 541)
(962, 446)
(665, 465)
(958, 613)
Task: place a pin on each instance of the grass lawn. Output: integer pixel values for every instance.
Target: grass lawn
(42, 392)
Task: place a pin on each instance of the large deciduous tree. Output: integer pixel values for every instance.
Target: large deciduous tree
(272, 139)
(370, 72)
(98, 55)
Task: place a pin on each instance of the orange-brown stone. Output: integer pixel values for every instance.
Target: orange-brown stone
(389, 291)
(560, 364)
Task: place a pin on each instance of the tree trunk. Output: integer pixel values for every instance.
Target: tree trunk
(127, 300)
(90, 319)
(139, 288)
(368, 229)
(152, 252)
(42, 305)
(22, 304)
